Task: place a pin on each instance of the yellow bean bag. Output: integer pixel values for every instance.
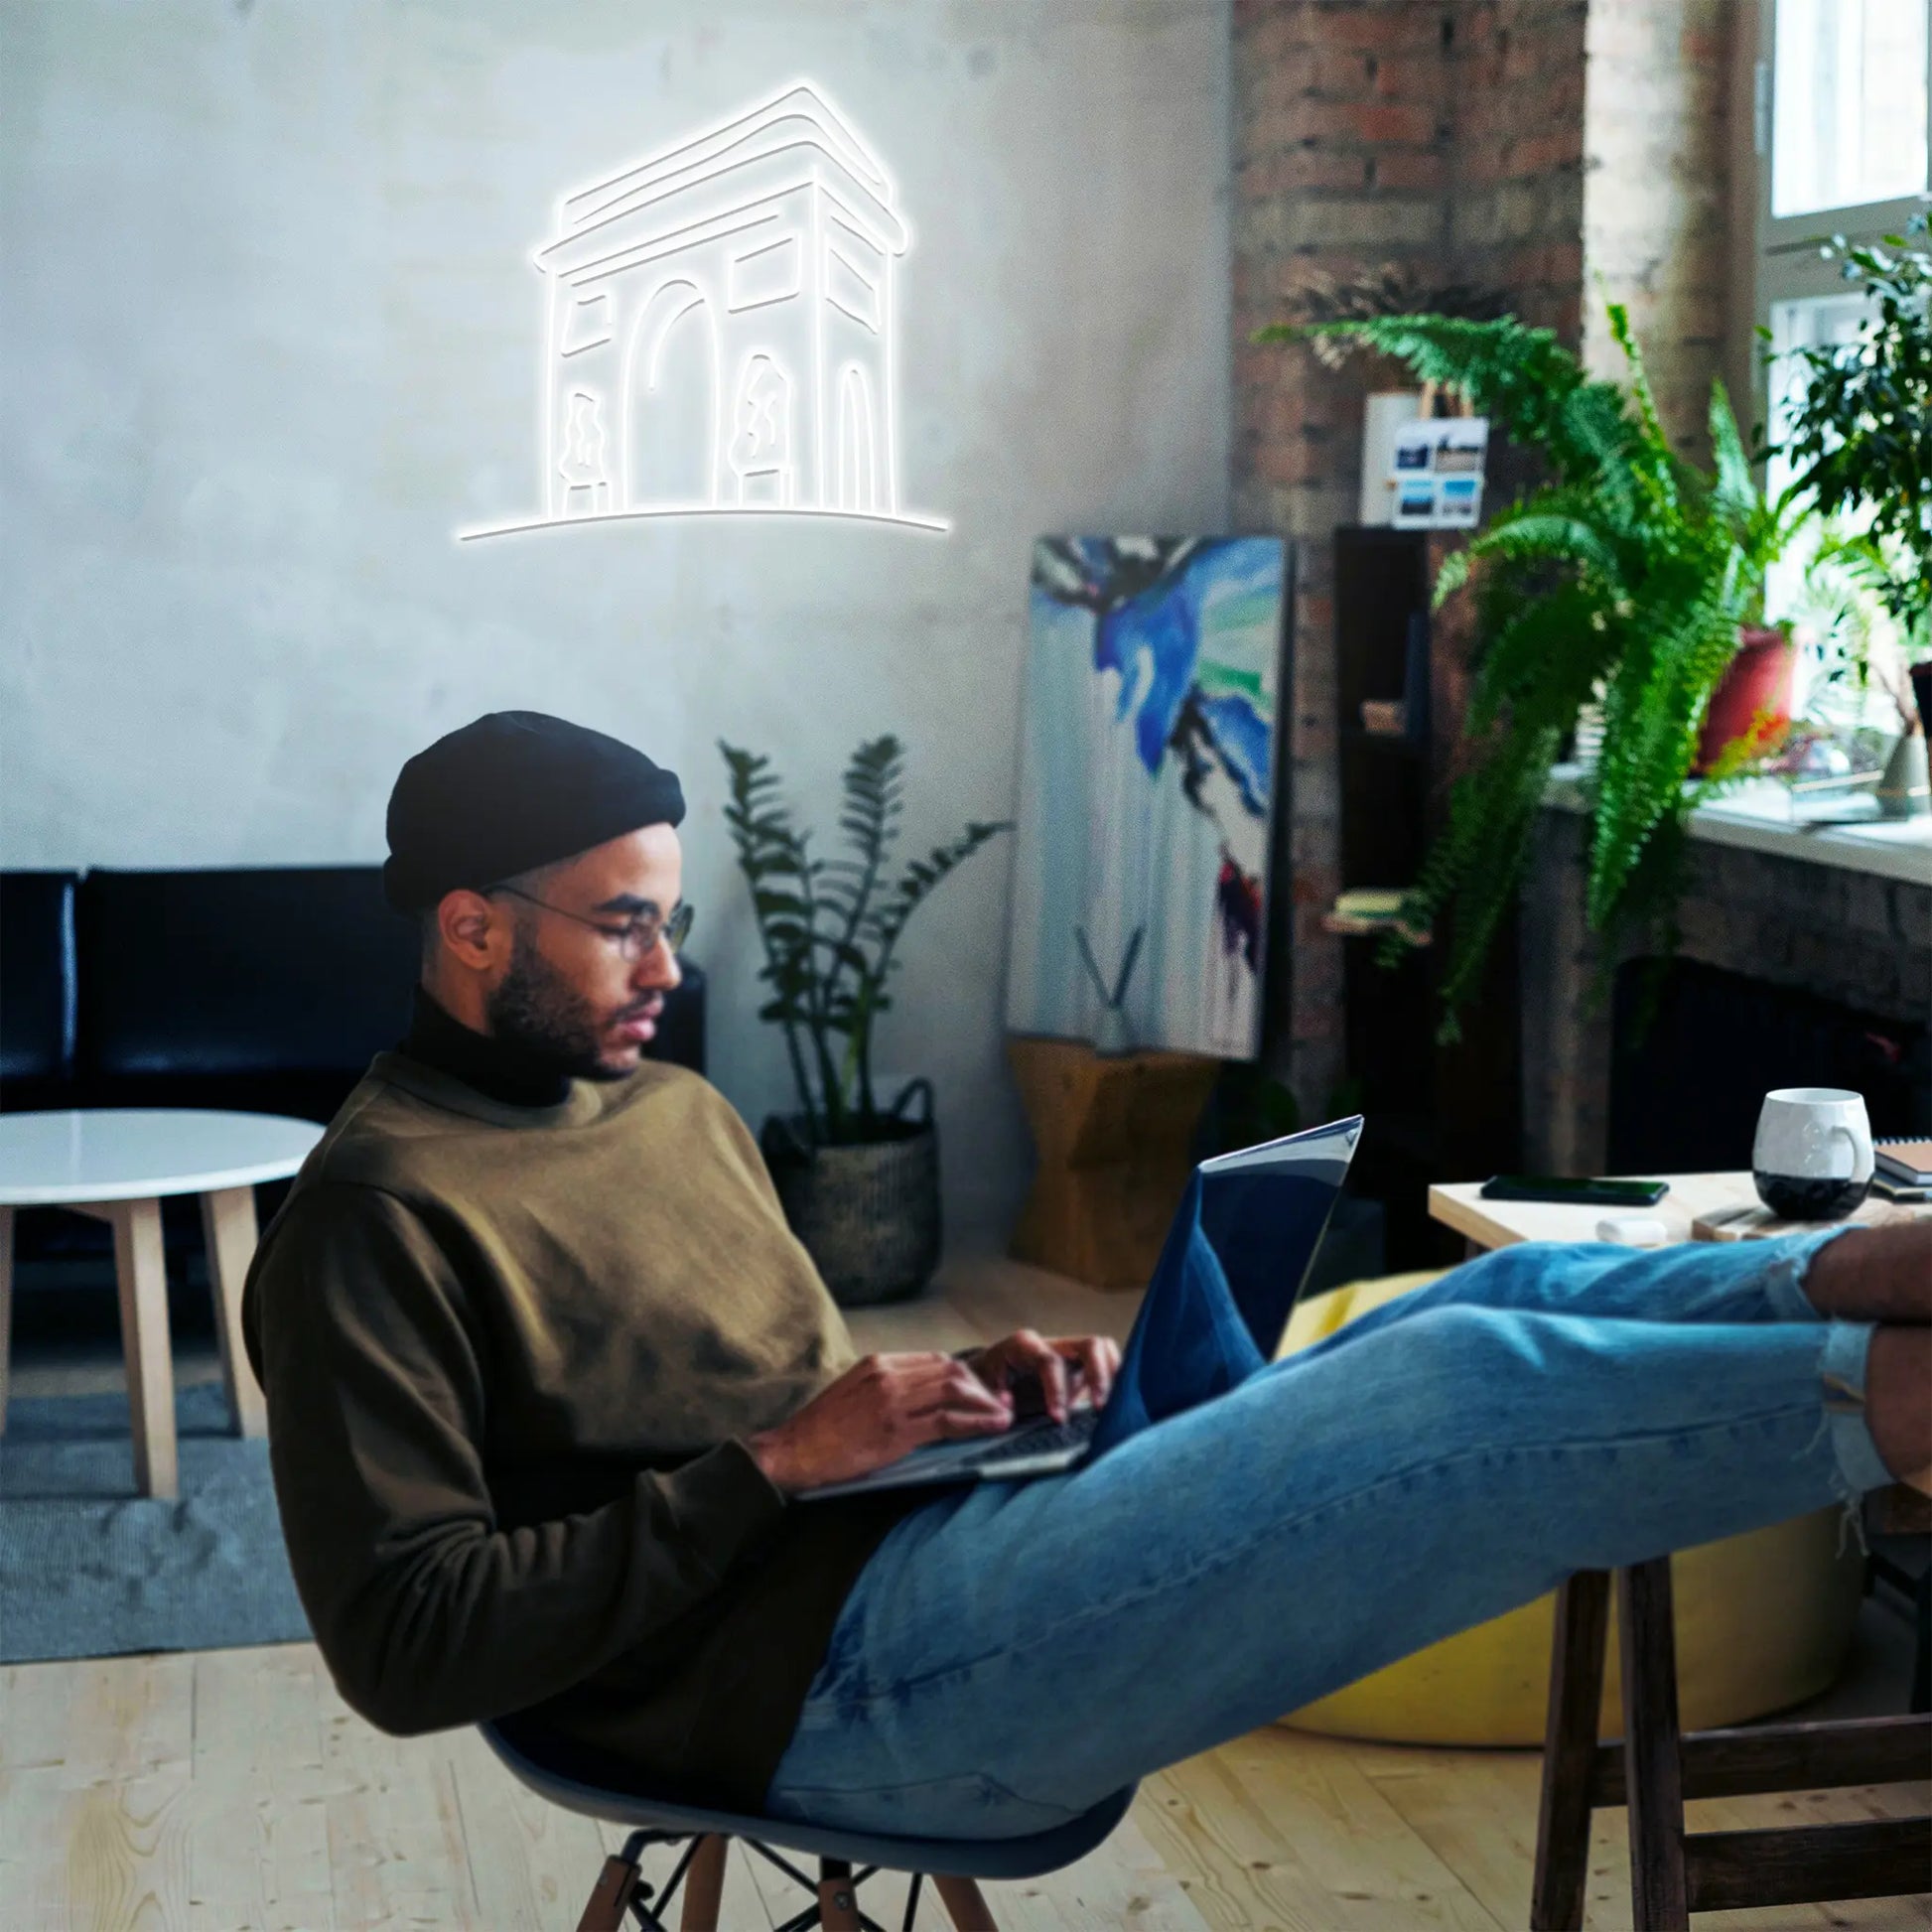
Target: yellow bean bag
(1764, 1621)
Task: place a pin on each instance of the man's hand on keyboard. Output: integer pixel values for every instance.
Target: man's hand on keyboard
(881, 1408)
(1040, 1372)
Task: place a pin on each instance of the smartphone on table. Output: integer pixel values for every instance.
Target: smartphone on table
(1576, 1193)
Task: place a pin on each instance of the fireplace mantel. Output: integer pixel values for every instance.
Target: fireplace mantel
(1755, 817)
(1842, 912)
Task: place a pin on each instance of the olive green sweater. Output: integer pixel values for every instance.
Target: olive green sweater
(511, 1355)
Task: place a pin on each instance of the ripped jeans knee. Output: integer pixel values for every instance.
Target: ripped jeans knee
(1842, 1370)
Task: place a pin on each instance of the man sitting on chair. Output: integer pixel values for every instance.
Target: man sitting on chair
(545, 1367)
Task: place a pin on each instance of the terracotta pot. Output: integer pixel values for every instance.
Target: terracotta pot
(1757, 680)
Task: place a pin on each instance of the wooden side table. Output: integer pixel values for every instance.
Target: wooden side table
(118, 1164)
(1674, 1872)
(1115, 1134)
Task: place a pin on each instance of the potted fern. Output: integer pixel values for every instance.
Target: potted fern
(860, 1182)
(1623, 581)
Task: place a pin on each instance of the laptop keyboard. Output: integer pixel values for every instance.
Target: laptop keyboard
(1043, 1439)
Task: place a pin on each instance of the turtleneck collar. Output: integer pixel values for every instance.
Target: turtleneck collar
(500, 1070)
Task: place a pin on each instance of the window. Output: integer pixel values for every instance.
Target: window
(1848, 112)
(1810, 321)
(1839, 143)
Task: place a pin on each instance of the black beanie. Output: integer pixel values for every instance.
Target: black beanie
(514, 790)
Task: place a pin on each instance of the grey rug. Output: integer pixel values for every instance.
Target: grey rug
(91, 1568)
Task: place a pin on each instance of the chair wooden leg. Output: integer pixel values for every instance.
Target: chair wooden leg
(838, 1896)
(1569, 1747)
(141, 1275)
(964, 1904)
(1653, 1767)
(230, 1231)
(704, 1885)
(611, 1900)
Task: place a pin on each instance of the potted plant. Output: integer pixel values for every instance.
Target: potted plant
(1842, 618)
(1859, 431)
(1751, 709)
(860, 1182)
(1752, 701)
(1622, 581)
(1858, 438)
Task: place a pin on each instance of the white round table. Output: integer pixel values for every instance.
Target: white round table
(116, 1163)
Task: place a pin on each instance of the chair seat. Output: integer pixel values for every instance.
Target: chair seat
(548, 1765)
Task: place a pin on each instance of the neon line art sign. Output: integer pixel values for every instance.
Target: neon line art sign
(719, 331)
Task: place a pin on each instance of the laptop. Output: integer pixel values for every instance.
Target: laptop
(1240, 1250)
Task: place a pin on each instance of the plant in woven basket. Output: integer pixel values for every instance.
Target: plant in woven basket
(1629, 570)
(831, 927)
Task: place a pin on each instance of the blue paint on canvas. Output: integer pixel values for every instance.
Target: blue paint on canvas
(1145, 787)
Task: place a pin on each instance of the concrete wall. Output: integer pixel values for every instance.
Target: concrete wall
(270, 332)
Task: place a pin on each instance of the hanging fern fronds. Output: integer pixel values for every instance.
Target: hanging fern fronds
(1621, 582)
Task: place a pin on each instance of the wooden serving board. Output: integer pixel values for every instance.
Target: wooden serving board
(1752, 1221)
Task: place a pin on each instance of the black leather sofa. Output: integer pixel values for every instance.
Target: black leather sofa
(267, 990)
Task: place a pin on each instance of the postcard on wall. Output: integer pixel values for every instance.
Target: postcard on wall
(1437, 471)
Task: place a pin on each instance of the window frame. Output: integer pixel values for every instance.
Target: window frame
(1784, 264)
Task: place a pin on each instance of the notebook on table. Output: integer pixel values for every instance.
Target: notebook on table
(1238, 1253)
(1907, 1162)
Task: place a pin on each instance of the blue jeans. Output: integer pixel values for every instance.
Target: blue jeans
(1012, 1652)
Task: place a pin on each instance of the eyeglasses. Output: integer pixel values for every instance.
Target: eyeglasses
(636, 939)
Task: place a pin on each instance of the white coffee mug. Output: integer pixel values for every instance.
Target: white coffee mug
(1812, 1160)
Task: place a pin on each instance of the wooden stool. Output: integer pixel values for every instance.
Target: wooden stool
(1673, 1874)
(1115, 1134)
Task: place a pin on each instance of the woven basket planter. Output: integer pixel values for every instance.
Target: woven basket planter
(868, 1214)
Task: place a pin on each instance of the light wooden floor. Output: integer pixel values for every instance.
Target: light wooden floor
(233, 1789)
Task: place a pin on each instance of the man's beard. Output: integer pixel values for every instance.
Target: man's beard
(538, 1012)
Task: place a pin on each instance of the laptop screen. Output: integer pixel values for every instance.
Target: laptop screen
(1225, 1285)
(1264, 1211)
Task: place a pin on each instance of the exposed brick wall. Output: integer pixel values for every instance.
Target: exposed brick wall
(1450, 135)
(1343, 125)
(1517, 211)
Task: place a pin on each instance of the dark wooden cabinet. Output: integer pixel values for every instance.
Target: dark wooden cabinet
(1436, 1111)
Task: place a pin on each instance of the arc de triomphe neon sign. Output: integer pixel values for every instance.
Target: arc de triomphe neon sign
(719, 331)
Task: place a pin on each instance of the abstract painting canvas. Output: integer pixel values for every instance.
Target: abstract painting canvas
(1147, 784)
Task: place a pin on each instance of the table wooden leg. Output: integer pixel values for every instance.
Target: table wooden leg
(141, 1275)
(229, 1232)
(6, 1304)
(1569, 1751)
(1653, 1766)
